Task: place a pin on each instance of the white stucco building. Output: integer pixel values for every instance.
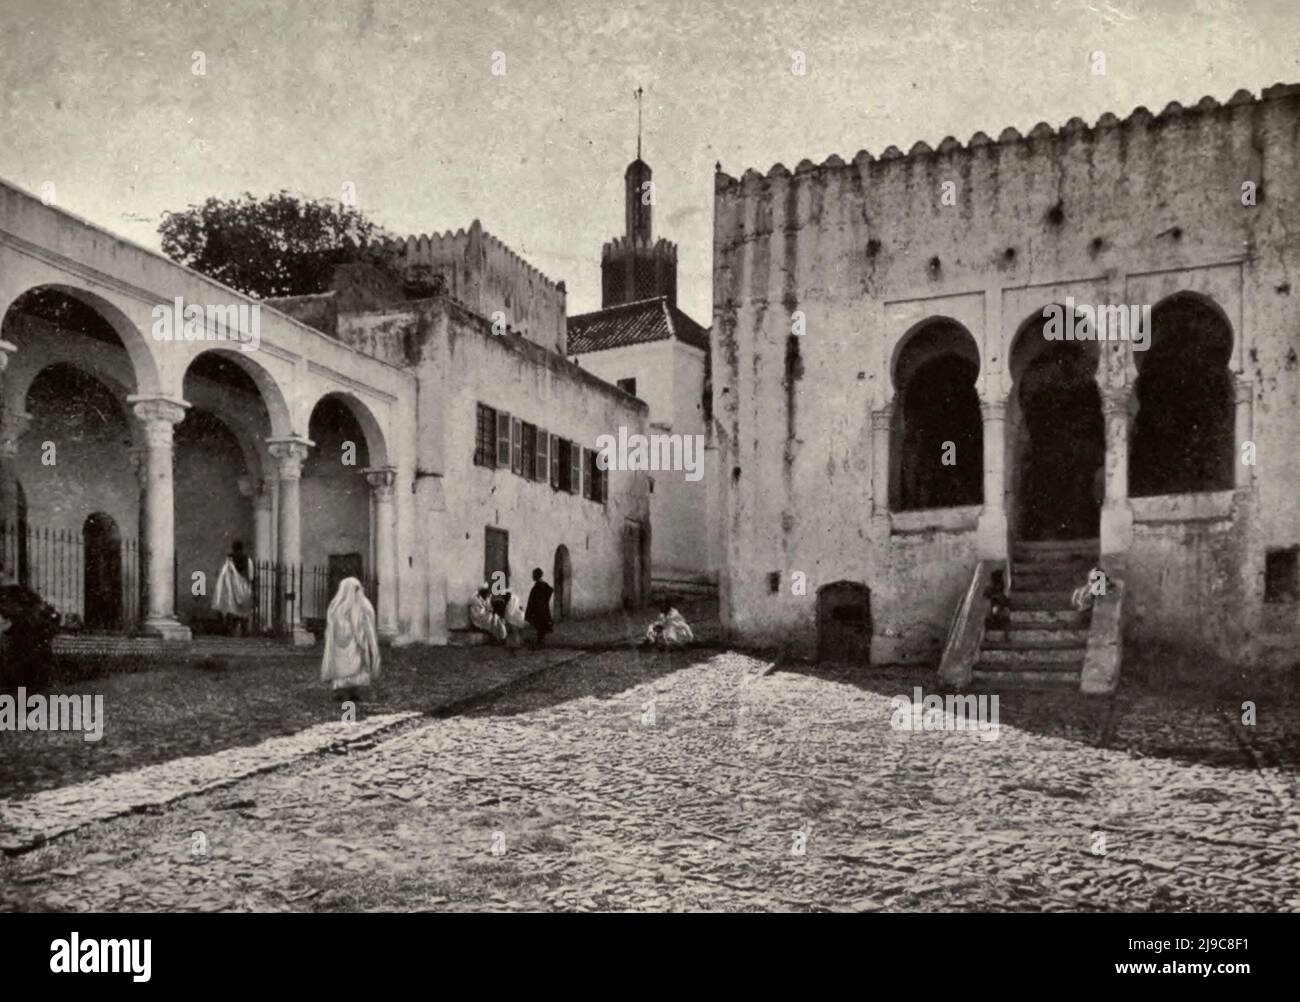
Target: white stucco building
(640, 341)
(131, 462)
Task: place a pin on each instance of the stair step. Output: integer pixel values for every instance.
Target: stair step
(1057, 546)
(1025, 679)
(1057, 600)
(1071, 656)
(1066, 576)
(1016, 667)
(1034, 636)
(1070, 618)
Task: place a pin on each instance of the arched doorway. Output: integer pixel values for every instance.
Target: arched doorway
(562, 576)
(1060, 442)
(937, 443)
(102, 549)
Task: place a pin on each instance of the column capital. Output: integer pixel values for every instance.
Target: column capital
(289, 452)
(883, 416)
(159, 415)
(381, 480)
(1243, 390)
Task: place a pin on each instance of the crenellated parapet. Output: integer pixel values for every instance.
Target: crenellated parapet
(633, 269)
(1140, 119)
(488, 277)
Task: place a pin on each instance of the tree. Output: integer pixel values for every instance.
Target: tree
(280, 245)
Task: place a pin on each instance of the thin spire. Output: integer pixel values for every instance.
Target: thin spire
(638, 121)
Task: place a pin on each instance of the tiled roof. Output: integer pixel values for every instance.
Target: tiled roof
(633, 323)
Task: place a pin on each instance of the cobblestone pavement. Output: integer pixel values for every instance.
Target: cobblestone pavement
(629, 780)
(176, 709)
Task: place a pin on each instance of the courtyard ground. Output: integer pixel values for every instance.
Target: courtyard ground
(625, 779)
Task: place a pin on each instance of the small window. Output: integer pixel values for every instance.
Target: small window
(485, 441)
(628, 385)
(503, 438)
(774, 582)
(564, 475)
(529, 444)
(596, 484)
(1280, 584)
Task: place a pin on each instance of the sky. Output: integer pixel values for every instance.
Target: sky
(100, 99)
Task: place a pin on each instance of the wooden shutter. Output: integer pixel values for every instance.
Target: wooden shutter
(516, 446)
(588, 482)
(542, 464)
(503, 438)
(555, 461)
(575, 468)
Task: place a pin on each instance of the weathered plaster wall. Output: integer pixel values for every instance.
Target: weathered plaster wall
(1124, 212)
(485, 275)
(669, 378)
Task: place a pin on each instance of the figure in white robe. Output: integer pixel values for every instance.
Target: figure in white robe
(670, 629)
(233, 597)
(351, 660)
(482, 617)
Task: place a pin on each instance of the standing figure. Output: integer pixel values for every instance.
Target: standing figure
(351, 661)
(999, 617)
(233, 597)
(539, 607)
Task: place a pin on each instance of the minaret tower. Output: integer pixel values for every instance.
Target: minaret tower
(635, 266)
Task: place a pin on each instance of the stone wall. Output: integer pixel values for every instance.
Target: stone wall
(856, 255)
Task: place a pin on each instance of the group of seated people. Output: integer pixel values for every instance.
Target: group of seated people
(502, 618)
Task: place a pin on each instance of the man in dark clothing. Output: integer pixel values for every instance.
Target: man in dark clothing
(538, 612)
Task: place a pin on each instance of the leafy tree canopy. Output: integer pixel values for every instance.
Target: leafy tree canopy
(280, 245)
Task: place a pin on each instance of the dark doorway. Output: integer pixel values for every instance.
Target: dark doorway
(562, 576)
(1060, 487)
(1183, 434)
(844, 622)
(632, 553)
(102, 545)
(343, 565)
(24, 568)
(496, 559)
(942, 436)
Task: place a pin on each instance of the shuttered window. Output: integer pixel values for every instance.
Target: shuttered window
(516, 445)
(542, 467)
(529, 444)
(503, 438)
(485, 437)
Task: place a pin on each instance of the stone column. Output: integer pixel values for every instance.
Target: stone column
(262, 545)
(12, 426)
(158, 417)
(289, 454)
(1117, 406)
(381, 480)
(881, 426)
(1243, 431)
(991, 535)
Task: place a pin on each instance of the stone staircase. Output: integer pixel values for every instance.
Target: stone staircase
(1047, 638)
